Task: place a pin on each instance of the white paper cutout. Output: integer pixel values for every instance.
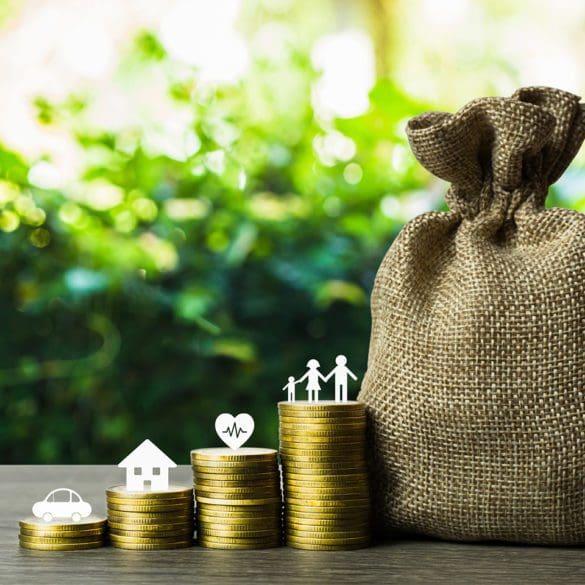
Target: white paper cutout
(147, 468)
(62, 503)
(234, 431)
(341, 372)
(313, 375)
(290, 386)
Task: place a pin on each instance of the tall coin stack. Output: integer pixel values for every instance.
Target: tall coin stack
(37, 534)
(326, 495)
(239, 504)
(150, 520)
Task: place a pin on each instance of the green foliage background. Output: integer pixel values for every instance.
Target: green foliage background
(208, 282)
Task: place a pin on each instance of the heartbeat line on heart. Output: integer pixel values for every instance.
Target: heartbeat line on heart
(234, 430)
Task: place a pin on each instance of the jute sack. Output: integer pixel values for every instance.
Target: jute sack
(476, 374)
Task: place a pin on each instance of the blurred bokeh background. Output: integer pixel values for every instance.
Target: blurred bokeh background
(195, 196)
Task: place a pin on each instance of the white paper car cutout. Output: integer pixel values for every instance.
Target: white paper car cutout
(62, 503)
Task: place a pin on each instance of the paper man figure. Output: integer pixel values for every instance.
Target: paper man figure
(313, 375)
(341, 372)
(290, 386)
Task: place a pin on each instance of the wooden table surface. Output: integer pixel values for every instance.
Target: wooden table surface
(403, 561)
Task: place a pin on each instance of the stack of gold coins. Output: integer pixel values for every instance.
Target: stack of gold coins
(326, 495)
(37, 534)
(239, 504)
(150, 520)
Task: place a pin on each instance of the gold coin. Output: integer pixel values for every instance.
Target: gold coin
(328, 547)
(170, 508)
(206, 543)
(236, 493)
(319, 445)
(182, 501)
(322, 461)
(172, 534)
(243, 478)
(354, 540)
(313, 422)
(353, 462)
(264, 515)
(145, 539)
(324, 468)
(294, 511)
(342, 533)
(243, 454)
(350, 419)
(239, 501)
(263, 521)
(82, 545)
(323, 406)
(336, 482)
(145, 518)
(273, 487)
(327, 440)
(316, 539)
(346, 502)
(89, 532)
(174, 492)
(33, 524)
(59, 539)
(237, 533)
(327, 524)
(240, 540)
(327, 467)
(239, 524)
(258, 509)
(154, 546)
(343, 492)
(168, 527)
(334, 436)
(327, 521)
(354, 477)
(234, 508)
(235, 469)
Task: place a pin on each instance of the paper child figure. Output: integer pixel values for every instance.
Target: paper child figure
(290, 386)
(312, 375)
(341, 372)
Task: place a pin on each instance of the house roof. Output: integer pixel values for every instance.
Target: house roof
(147, 454)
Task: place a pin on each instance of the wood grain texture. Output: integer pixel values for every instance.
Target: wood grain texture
(404, 561)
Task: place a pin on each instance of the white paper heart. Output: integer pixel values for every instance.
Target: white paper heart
(234, 431)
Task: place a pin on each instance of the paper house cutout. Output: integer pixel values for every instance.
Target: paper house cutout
(147, 468)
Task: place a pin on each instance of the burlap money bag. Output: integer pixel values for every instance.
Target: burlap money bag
(475, 385)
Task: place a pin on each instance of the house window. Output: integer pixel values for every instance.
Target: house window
(138, 471)
(156, 471)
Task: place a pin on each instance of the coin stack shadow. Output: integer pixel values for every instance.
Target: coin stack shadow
(88, 533)
(325, 481)
(150, 520)
(238, 496)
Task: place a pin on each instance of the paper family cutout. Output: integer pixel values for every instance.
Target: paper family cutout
(62, 503)
(340, 373)
(234, 431)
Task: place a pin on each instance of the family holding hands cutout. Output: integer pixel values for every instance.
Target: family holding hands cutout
(313, 376)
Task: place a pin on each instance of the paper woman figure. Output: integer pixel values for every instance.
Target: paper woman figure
(313, 375)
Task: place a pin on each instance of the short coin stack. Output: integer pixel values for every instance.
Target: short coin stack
(326, 495)
(239, 503)
(37, 534)
(150, 520)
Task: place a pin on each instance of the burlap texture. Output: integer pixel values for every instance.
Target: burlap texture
(476, 377)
